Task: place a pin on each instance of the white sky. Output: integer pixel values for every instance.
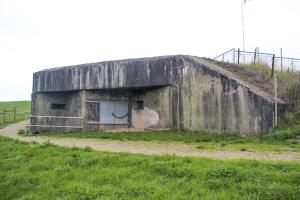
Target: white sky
(39, 34)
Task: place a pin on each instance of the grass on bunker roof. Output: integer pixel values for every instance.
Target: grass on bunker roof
(260, 76)
(34, 171)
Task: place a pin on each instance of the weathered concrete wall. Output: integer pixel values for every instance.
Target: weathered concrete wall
(157, 112)
(215, 102)
(137, 73)
(41, 106)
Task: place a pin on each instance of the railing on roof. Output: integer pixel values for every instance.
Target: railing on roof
(268, 59)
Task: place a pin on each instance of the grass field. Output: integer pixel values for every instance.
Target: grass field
(281, 140)
(21, 106)
(33, 171)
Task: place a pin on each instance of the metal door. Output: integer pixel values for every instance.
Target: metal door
(106, 110)
(114, 112)
(121, 113)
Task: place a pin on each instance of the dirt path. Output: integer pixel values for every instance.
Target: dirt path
(149, 148)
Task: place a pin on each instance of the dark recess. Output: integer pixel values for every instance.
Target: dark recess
(139, 105)
(58, 106)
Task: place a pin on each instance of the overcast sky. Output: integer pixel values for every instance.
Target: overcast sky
(39, 34)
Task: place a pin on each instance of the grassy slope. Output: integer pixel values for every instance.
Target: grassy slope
(19, 105)
(260, 76)
(32, 171)
(278, 141)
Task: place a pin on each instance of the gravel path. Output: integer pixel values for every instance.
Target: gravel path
(148, 148)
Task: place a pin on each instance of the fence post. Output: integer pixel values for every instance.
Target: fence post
(275, 98)
(4, 113)
(25, 129)
(15, 110)
(273, 63)
(255, 55)
(281, 58)
(233, 58)
(238, 55)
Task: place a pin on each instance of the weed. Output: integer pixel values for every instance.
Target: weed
(221, 172)
(200, 147)
(74, 148)
(21, 132)
(87, 148)
(222, 144)
(294, 142)
(46, 144)
(280, 135)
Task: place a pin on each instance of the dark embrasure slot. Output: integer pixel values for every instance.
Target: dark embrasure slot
(58, 106)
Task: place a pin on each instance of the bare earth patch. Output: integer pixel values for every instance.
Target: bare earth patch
(149, 148)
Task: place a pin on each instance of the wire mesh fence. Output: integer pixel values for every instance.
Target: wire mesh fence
(11, 115)
(271, 60)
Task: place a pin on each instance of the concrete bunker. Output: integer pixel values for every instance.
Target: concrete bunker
(170, 92)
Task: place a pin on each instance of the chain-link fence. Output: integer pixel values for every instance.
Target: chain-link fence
(247, 57)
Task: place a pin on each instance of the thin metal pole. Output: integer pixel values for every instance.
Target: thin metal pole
(233, 58)
(25, 131)
(239, 55)
(281, 58)
(243, 24)
(273, 64)
(275, 98)
(257, 55)
(254, 59)
(15, 111)
(4, 115)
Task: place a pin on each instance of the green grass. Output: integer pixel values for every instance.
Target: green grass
(21, 106)
(33, 171)
(291, 78)
(260, 75)
(281, 140)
